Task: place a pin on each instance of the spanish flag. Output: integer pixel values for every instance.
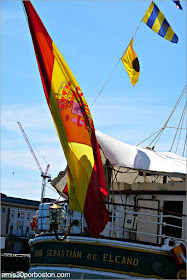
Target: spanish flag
(131, 63)
(86, 183)
(155, 19)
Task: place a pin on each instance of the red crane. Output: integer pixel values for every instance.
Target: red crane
(44, 175)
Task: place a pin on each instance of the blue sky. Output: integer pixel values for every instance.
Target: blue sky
(91, 36)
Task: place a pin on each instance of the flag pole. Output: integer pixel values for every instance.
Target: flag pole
(114, 68)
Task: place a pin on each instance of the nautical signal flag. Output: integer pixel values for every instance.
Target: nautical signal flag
(177, 252)
(178, 5)
(158, 23)
(86, 183)
(131, 63)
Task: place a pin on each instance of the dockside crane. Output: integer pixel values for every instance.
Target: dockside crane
(45, 174)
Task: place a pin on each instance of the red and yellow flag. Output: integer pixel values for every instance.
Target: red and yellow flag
(71, 115)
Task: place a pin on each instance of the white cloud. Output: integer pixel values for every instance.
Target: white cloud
(29, 189)
(8, 15)
(32, 117)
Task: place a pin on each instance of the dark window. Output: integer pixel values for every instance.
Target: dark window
(11, 229)
(27, 231)
(3, 210)
(175, 207)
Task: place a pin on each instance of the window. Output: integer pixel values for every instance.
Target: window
(11, 229)
(20, 231)
(20, 215)
(3, 210)
(27, 231)
(12, 213)
(171, 207)
(28, 215)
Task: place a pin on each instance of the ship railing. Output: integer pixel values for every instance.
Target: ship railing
(129, 224)
(116, 229)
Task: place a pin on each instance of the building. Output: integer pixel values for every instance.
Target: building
(16, 214)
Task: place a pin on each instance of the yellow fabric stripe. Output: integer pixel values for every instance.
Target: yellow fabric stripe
(82, 170)
(127, 60)
(79, 156)
(158, 22)
(169, 34)
(148, 13)
(56, 80)
(61, 62)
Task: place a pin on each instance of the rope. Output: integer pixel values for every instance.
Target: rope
(114, 68)
(181, 121)
(177, 103)
(105, 84)
(176, 127)
(149, 137)
(184, 146)
(68, 231)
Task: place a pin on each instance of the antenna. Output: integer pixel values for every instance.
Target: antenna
(44, 175)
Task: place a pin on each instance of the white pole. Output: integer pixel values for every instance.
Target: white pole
(182, 256)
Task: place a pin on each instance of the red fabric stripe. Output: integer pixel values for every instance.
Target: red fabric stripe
(65, 191)
(95, 211)
(183, 249)
(103, 191)
(42, 45)
(98, 162)
(174, 256)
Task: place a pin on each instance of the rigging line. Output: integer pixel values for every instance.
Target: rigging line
(135, 178)
(156, 179)
(179, 135)
(112, 185)
(132, 37)
(114, 68)
(181, 119)
(51, 189)
(160, 133)
(149, 137)
(176, 127)
(118, 184)
(177, 103)
(105, 84)
(184, 146)
(180, 123)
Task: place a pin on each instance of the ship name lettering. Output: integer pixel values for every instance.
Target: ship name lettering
(116, 259)
(38, 253)
(62, 253)
(92, 256)
(129, 261)
(120, 260)
(65, 253)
